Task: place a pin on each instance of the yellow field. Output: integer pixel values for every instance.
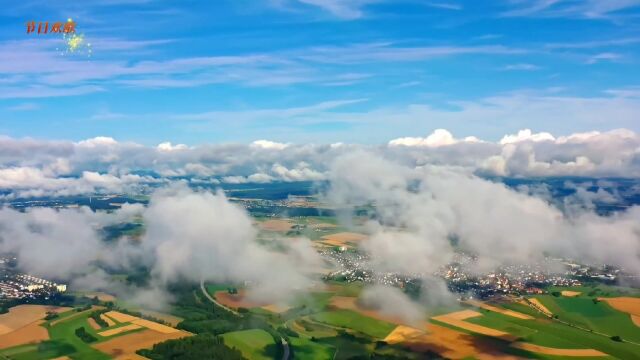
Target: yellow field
(139, 322)
(21, 315)
(457, 319)
(343, 238)
(29, 334)
(21, 325)
(629, 305)
(558, 352)
(569, 293)
(119, 330)
(507, 312)
(94, 325)
(540, 306)
(107, 319)
(125, 347)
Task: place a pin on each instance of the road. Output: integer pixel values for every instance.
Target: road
(285, 344)
(213, 300)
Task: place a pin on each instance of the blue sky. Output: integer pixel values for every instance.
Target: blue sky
(320, 71)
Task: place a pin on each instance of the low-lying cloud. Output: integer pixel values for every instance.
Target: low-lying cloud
(190, 236)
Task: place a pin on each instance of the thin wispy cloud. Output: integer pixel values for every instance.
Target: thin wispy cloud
(521, 67)
(604, 57)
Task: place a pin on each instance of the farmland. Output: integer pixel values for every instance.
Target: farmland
(59, 337)
(253, 344)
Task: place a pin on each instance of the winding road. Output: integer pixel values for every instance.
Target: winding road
(285, 344)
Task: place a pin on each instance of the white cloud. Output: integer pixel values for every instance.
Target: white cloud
(439, 137)
(167, 146)
(526, 135)
(31, 167)
(266, 144)
(522, 67)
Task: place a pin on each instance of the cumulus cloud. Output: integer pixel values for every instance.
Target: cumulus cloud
(31, 167)
(198, 236)
(440, 137)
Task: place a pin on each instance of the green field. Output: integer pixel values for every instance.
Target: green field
(63, 341)
(352, 320)
(254, 344)
(598, 290)
(599, 316)
(550, 333)
(44, 350)
(307, 349)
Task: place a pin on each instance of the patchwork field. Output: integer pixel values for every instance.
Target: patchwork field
(543, 333)
(458, 318)
(22, 325)
(57, 338)
(21, 315)
(124, 347)
(343, 239)
(447, 342)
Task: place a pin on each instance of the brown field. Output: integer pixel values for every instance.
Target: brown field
(102, 296)
(235, 301)
(457, 319)
(107, 319)
(278, 309)
(540, 306)
(558, 352)
(94, 325)
(239, 300)
(629, 305)
(276, 225)
(28, 334)
(343, 238)
(169, 319)
(22, 315)
(507, 312)
(125, 347)
(119, 330)
(569, 293)
(447, 342)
